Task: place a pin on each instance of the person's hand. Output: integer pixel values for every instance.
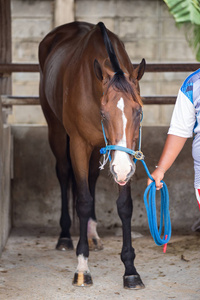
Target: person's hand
(157, 175)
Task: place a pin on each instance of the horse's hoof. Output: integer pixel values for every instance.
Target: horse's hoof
(133, 282)
(95, 244)
(64, 244)
(82, 279)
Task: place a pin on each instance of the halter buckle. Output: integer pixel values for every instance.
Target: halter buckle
(139, 155)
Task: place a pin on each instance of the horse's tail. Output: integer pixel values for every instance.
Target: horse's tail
(110, 50)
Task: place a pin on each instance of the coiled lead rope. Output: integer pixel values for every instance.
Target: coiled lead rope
(150, 204)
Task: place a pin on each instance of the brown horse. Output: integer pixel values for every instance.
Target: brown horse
(86, 78)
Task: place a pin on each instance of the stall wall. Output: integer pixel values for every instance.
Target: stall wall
(5, 180)
(36, 193)
(145, 26)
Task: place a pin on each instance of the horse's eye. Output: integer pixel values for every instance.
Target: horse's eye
(140, 113)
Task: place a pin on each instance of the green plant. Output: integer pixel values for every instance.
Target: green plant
(187, 12)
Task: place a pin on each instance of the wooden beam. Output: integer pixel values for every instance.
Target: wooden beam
(171, 67)
(149, 100)
(154, 67)
(5, 44)
(18, 68)
(8, 101)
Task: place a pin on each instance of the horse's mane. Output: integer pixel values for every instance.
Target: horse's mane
(118, 81)
(110, 49)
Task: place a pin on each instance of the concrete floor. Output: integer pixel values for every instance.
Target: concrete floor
(31, 268)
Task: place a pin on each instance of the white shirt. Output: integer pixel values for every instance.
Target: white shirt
(186, 117)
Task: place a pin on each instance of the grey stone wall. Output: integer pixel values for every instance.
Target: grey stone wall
(5, 180)
(147, 31)
(36, 193)
(146, 27)
(31, 21)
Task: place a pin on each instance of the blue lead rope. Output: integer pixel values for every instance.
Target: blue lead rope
(149, 195)
(150, 204)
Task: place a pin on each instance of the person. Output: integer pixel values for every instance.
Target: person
(185, 123)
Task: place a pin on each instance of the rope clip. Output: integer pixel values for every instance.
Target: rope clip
(139, 155)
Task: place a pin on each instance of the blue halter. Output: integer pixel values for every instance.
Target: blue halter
(149, 194)
(138, 155)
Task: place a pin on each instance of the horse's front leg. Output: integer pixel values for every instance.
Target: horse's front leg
(82, 275)
(94, 240)
(131, 277)
(80, 155)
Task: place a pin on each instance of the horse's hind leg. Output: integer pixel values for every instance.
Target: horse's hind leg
(59, 145)
(94, 240)
(63, 171)
(131, 278)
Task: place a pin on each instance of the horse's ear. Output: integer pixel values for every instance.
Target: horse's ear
(139, 70)
(97, 70)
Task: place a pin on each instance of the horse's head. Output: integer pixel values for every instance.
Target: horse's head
(121, 109)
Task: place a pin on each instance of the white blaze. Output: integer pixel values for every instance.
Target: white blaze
(120, 105)
(122, 163)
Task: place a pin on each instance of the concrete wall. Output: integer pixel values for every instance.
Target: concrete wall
(31, 20)
(146, 28)
(5, 132)
(5, 180)
(148, 31)
(36, 194)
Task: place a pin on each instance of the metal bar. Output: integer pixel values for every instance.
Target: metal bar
(151, 67)
(34, 100)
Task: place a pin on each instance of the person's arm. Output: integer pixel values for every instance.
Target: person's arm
(181, 128)
(172, 148)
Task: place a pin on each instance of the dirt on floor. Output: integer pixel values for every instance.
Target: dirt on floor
(31, 268)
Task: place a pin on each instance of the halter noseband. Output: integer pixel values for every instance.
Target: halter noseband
(138, 155)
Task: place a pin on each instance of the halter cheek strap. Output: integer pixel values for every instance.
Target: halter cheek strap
(138, 155)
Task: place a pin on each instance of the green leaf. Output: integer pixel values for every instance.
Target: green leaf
(188, 12)
(185, 10)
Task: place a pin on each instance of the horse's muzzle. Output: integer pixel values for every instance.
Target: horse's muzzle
(123, 175)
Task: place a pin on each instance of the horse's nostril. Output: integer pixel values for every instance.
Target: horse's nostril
(113, 170)
(131, 170)
(122, 173)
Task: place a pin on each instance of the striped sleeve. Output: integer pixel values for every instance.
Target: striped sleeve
(183, 117)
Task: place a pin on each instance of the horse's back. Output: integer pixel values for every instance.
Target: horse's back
(67, 34)
(56, 55)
